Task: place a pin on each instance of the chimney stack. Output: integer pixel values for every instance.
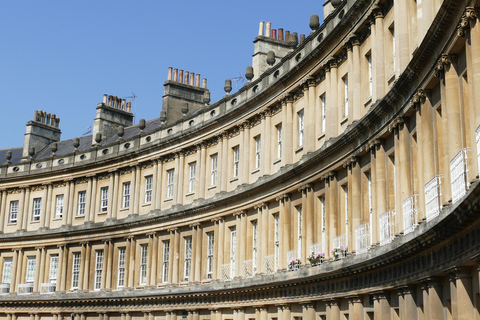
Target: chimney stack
(41, 131)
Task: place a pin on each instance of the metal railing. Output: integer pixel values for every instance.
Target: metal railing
(459, 175)
(362, 238)
(291, 256)
(433, 198)
(317, 248)
(247, 270)
(25, 288)
(5, 288)
(410, 212)
(269, 264)
(47, 288)
(387, 227)
(339, 246)
(225, 272)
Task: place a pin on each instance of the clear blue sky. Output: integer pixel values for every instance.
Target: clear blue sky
(62, 56)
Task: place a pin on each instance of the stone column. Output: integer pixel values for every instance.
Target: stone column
(225, 176)
(221, 246)
(23, 220)
(463, 296)
(332, 221)
(131, 258)
(63, 275)
(157, 185)
(380, 187)
(195, 315)
(93, 203)
(380, 81)
(332, 105)
(435, 297)
(16, 269)
(356, 80)
(193, 258)
(115, 191)
(135, 194)
(408, 307)
(285, 229)
(350, 76)
(153, 261)
(202, 182)
(105, 274)
(263, 313)
(287, 151)
(111, 191)
(179, 173)
(355, 308)
(333, 310)
(109, 271)
(240, 250)
(355, 195)
(39, 269)
(86, 266)
(45, 223)
(198, 254)
(286, 314)
(68, 203)
(3, 210)
(266, 151)
(308, 311)
(242, 238)
(381, 306)
(88, 195)
(176, 256)
(245, 151)
(402, 36)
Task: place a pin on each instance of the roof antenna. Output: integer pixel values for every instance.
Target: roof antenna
(236, 79)
(134, 97)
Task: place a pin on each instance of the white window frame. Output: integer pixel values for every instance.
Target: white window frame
(258, 147)
(126, 195)
(299, 232)
(82, 199)
(13, 216)
(30, 271)
(210, 253)
(254, 245)
(170, 183)
(37, 209)
(187, 268)
(7, 270)
(103, 199)
(143, 263)
(98, 269)
(214, 171)
(233, 250)
(276, 239)
(236, 161)
(59, 206)
(301, 127)
(279, 141)
(324, 113)
(192, 169)
(345, 104)
(53, 272)
(148, 189)
(370, 74)
(76, 270)
(122, 253)
(166, 260)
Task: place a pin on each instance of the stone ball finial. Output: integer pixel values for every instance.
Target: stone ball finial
(163, 116)
(120, 132)
(76, 143)
(228, 86)
(249, 74)
(314, 22)
(206, 97)
(336, 3)
(293, 39)
(98, 137)
(270, 58)
(185, 109)
(54, 147)
(31, 151)
(141, 124)
(8, 155)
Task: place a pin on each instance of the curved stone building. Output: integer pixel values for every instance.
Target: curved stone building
(341, 182)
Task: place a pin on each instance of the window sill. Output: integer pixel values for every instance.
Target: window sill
(168, 199)
(321, 136)
(277, 161)
(299, 149)
(234, 179)
(190, 194)
(256, 170)
(124, 209)
(13, 223)
(212, 187)
(57, 219)
(391, 78)
(36, 221)
(102, 212)
(343, 121)
(80, 217)
(146, 204)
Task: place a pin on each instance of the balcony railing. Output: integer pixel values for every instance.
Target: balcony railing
(317, 248)
(269, 264)
(247, 270)
(47, 288)
(4, 288)
(410, 212)
(477, 137)
(459, 175)
(387, 227)
(225, 272)
(339, 247)
(362, 238)
(433, 198)
(25, 288)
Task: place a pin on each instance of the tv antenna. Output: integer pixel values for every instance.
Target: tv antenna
(134, 97)
(89, 130)
(236, 79)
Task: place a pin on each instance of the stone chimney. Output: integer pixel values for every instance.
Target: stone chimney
(41, 131)
(183, 95)
(113, 112)
(269, 39)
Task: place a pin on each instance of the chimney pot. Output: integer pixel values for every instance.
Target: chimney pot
(180, 76)
(129, 106)
(268, 30)
(280, 34)
(186, 77)
(261, 28)
(287, 35)
(169, 77)
(197, 81)
(302, 38)
(274, 33)
(204, 83)
(175, 75)
(105, 97)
